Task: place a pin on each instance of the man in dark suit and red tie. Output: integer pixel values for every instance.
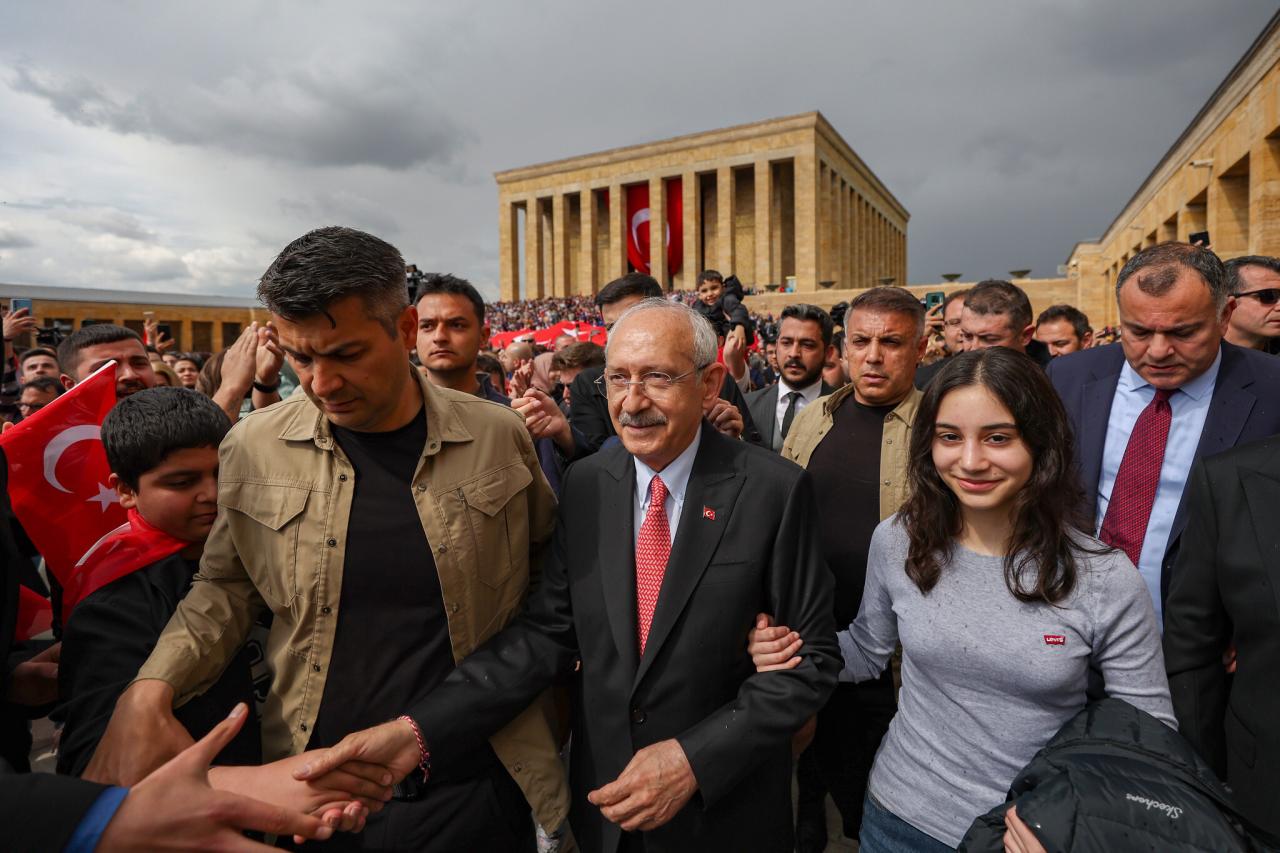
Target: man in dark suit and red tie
(1170, 393)
(665, 550)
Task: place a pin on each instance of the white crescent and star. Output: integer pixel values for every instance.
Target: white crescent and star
(639, 218)
(53, 452)
(58, 445)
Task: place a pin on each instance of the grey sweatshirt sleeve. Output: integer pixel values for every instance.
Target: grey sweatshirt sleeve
(1126, 646)
(870, 639)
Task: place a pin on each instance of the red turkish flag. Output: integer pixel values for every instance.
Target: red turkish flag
(638, 226)
(126, 549)
(35, 616)
(58, 476)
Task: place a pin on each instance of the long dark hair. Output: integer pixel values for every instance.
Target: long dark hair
(1047, 515)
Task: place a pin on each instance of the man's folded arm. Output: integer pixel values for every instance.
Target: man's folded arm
(500, 679)
(771, 706)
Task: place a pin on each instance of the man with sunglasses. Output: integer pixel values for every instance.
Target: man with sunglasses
(1254, 281)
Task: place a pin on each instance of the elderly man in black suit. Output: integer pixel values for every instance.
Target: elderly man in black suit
(665, 550)
(1225, 600)
(1170, 393)
(804, 346)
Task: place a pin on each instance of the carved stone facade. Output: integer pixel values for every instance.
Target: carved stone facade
(773, 202)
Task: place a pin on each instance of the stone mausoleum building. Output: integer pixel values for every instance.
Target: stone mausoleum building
(779, 203)
(1222, 175)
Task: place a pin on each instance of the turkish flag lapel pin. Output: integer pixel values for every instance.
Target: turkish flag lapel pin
(708, 513)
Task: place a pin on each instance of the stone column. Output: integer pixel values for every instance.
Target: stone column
(508, 252)
(658, 230)
(846, 254)
(1264, 197)
(559, 246)
(533, 272)
(826, 254)
(187, 341)
(692, 230)
(724, 220)
(617, 266)
(764, 223)
(806, 228)
(859, 241)
(587, 243)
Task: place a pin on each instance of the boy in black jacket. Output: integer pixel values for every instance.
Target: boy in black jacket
(721, 303)
(162, 445)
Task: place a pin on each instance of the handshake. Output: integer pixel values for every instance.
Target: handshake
(175, 793)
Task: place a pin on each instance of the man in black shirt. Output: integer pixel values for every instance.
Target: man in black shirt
(391, 527)
(854, 445)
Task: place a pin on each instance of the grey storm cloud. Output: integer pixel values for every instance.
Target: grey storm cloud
(306, 116)
(193, 141)
(10, 239)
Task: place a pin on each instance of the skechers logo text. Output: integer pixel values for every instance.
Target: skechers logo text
(1172, 812)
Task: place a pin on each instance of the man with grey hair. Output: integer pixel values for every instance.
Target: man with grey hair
(1169, 393)
(666, 548)
(854, 444)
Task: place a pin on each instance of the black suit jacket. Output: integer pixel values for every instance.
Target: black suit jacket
(747, 542)
(1226, 589)
(589, 412)
(1245, 407)
(763, 403)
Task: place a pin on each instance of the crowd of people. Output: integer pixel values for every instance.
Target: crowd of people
(967, 572)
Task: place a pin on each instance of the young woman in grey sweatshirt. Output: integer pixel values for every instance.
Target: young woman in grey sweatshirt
(1003, 607)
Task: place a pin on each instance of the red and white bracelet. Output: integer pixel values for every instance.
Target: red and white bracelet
(424, 755)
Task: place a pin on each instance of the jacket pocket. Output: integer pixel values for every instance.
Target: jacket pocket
(497, 522)
(267, 536)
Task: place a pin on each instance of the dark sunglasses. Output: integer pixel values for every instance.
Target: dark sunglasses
(1267, 296)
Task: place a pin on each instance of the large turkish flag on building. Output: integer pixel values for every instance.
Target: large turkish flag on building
(58, 475)
(638, 226)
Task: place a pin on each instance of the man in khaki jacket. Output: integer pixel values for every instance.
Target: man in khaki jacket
(391, 527)
(854, 444)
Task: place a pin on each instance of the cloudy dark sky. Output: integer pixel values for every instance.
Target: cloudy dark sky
(180, 146)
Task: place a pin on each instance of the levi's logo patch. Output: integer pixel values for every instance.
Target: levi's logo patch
(1055, 639)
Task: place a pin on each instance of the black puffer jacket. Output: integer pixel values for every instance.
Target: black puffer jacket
(1117, 779)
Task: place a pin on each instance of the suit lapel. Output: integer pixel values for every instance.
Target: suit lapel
(616, 553)
(1262, 492)
(764, 413)
(1096, 398)
(715, 483)
(1229, 410)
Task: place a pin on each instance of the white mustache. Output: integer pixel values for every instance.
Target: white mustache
(644, 419)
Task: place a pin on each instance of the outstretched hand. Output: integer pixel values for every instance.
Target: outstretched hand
(175, 808)
(383, 754)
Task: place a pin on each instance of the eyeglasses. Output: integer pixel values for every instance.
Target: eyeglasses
(653, 384)
(29, 408)
(1266, 296)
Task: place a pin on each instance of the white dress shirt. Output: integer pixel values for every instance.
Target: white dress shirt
(807, 395)
(675, 477)
(1190, 405)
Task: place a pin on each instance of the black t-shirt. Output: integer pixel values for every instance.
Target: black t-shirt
(392, 641)
(845, 467)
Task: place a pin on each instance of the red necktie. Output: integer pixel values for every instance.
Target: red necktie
(653, 547)
(1134, 494)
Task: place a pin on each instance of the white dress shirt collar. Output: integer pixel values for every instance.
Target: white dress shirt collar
(1131, 380)
(675, 476)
